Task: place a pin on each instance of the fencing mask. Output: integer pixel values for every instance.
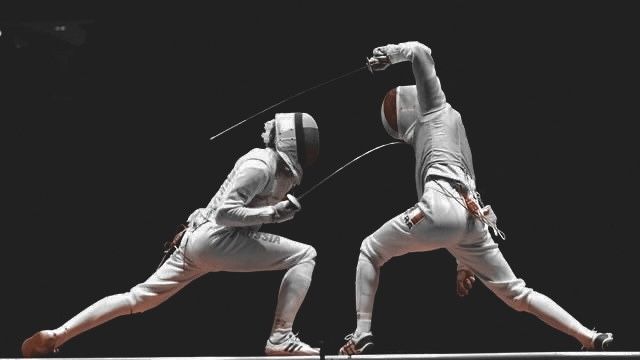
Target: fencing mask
(296, 140)
(400, 111)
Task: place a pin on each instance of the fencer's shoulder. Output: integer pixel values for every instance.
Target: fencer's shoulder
(261, 158)
(262, 154)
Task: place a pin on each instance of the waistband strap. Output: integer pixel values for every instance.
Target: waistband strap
(472, 203)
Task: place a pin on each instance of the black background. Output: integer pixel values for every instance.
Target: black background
(106, 151)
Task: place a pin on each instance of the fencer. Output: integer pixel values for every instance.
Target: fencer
(225, 236)
(449, 213)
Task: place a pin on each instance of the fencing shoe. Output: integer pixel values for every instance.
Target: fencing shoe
(357, 343)
(291, 345)
(601, 342)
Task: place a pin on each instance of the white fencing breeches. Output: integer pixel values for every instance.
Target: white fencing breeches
(447, 224)
(209, 248)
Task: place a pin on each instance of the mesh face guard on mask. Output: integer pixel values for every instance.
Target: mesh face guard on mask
(400, 111)
(296, 140)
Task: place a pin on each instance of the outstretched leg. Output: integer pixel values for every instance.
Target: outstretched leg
(555, 316)
(487, 262)
(172, 276)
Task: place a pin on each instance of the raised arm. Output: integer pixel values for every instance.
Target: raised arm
(430, 94)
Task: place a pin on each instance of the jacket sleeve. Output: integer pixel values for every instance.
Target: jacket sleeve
(251, 178)
(430, 94)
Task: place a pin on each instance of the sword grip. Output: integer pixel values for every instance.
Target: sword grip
(293, 202)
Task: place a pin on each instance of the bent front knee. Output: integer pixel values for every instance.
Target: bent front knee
(309, 255)
(372, 253)
(371, 258)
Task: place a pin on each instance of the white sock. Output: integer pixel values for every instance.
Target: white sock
(279, 335)
(367, 279)
(364, 324)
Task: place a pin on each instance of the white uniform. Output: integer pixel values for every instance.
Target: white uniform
(440, 219)
(223, 236)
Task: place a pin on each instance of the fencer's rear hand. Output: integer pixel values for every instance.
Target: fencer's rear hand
(464, 282)
(283, 211)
